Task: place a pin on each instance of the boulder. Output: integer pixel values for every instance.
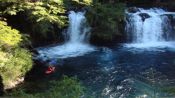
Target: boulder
(144, 16)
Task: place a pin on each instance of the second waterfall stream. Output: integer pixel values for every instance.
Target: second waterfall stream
(149, 28)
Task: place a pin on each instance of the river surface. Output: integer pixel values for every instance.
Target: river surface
(121, 72)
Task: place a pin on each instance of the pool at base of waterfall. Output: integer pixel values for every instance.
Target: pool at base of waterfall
(153, 45)
(64, 51)
(122, 72)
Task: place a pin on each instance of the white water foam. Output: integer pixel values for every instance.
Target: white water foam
(150, 28)
(77, 43)
(152, 45)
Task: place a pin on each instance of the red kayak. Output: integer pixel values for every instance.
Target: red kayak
(50, 70)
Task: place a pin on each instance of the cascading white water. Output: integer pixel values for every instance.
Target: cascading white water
(76, 45)
(77, 31)
(149, 28)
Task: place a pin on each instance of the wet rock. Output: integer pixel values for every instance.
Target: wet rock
(144, 16)
(133, 10)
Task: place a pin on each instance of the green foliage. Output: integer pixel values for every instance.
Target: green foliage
(105, 19)
(42, 15)
(13, 0)
(86, 2)
(170, 90)
(14, 64)
(49, 12)
(65, 88)
(8, 35)
(14, 61)
(39, 11)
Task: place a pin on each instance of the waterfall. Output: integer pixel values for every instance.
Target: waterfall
(77, 31)
(149, 28)
(77, 37)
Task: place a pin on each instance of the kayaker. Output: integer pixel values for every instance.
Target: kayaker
(51, 67)
(50, 70)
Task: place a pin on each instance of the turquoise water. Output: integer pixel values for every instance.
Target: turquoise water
(120, 72)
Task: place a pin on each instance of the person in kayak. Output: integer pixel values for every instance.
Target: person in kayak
(51, 67)
(50, 70)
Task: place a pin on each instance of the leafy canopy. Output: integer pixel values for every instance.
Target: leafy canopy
(8, 35)
(45, 11)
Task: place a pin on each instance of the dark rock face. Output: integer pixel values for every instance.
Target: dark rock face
(144, 16)
(171, 28)
(166, 4)
(132, 10)
(1, 87)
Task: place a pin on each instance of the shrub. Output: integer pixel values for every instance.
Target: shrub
(8, 35)
(14, 61)
(65, 88)
(14, 65)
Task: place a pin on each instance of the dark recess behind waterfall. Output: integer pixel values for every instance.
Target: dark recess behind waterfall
(166, 4)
